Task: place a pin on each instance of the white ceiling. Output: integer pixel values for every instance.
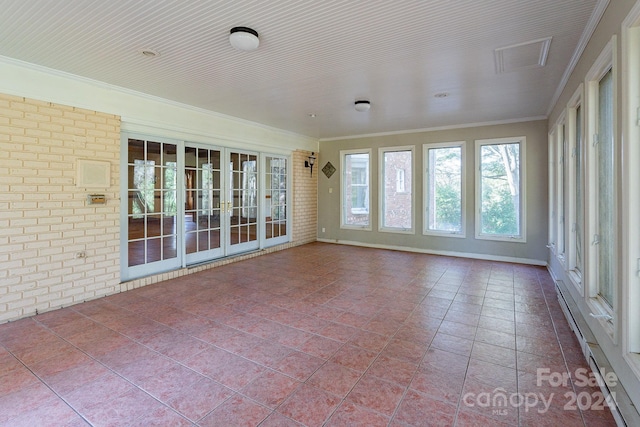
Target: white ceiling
(316, 56)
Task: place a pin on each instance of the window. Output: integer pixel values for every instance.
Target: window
(552, 188)
(630, 280)
(605, 237)
(355, 189)
(579, 192)
(575, 184)
(499, 192)
(444, 189)
(601, 213)
(575, 172)
(396, 207)
(562, 200)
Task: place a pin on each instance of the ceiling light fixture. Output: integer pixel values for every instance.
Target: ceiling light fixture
(244, 38)
(362, 106)
(149, 53)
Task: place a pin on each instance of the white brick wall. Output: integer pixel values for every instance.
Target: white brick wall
(305, 198)
(44, 218)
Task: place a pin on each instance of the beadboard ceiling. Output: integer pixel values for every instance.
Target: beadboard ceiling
(317, 57)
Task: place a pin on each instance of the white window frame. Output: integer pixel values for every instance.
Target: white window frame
(267, 242)
(552, 186)
(381, 189)
(426, 196)
(343, 207)
(521, 238)
(605, 314)
(575, 275)
(561, 189)
(630, 208)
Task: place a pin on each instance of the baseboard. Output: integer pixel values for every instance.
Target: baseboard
(484, 257)
(622, 409)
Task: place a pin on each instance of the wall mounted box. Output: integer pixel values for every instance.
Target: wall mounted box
(93, 173)
(96, 199)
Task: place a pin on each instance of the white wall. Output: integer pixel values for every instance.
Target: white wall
(533, 251)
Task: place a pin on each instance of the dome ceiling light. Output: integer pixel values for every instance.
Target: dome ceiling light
(362, 106)
(244, 38)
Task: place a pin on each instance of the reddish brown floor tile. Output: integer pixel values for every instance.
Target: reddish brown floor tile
(360, 341)
(416, 409)
(377, 394)
(161, 416)
(353, 357)
(394, 370)
(309, 406)
(237, 411)
(122, 409)
(270, 389)
(229, 369)
(494, 354)
(25, 400)
(198, 399)
(278, 420)
(335, 379)
(445, 361)
(438, 384)
(350, 414)
(299, 365)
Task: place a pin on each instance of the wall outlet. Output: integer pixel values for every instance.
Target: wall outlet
(324, 229)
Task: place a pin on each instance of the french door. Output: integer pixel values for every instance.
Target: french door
(204, 207)
(242, 203)
(190, 203)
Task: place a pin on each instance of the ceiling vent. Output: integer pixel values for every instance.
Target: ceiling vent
(521, 56)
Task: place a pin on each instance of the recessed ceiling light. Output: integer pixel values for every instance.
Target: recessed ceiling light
(312, 115)
(441, 95)
(149, 53)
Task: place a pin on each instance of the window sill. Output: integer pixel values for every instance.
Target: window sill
(514, 239)
(396, 230)
(444, 234)
(355, 227)
(599, 313)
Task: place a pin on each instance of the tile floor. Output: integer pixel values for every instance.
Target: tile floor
(316, 335)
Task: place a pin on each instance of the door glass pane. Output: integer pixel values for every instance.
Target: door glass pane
(202, 200)
(151, 224)
(275, 203)
(244, 198)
